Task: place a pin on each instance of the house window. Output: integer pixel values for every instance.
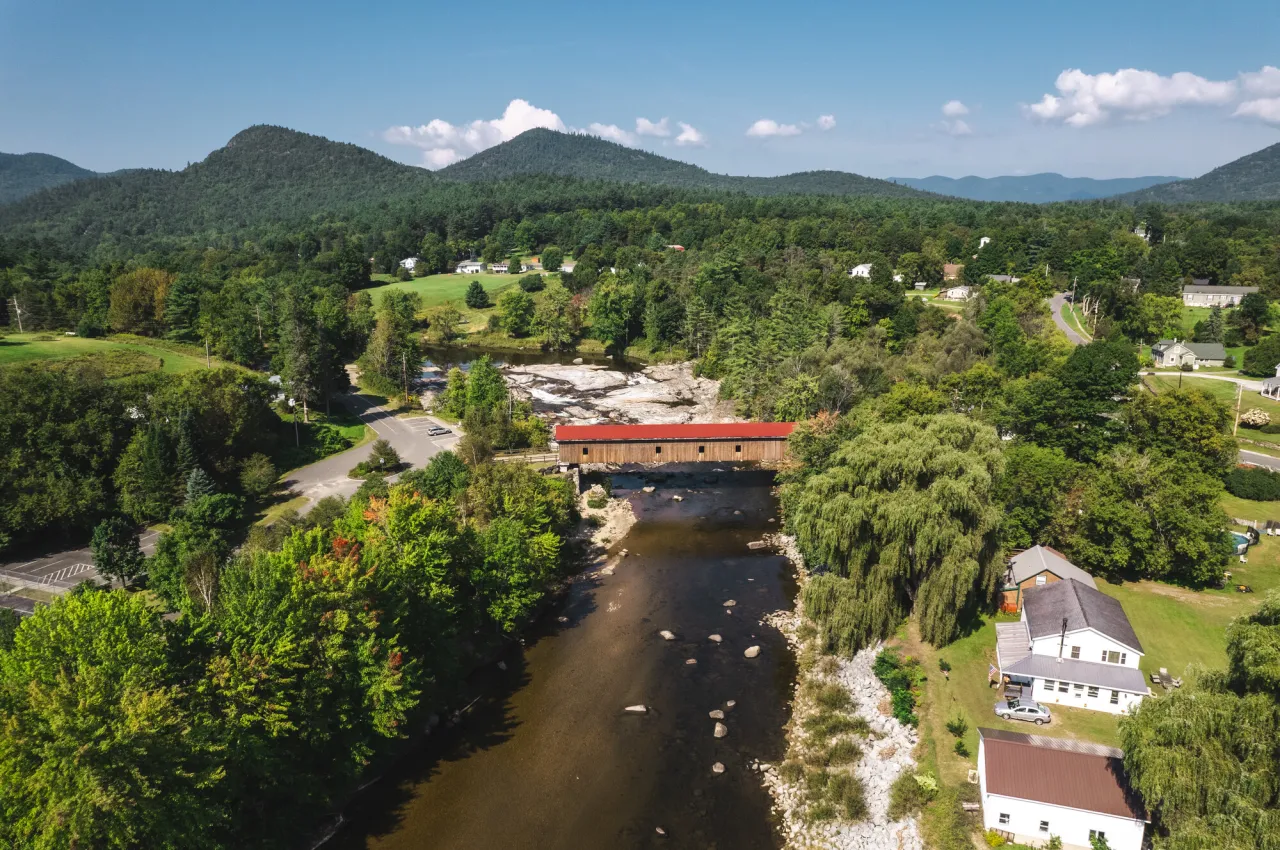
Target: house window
(1041, 580)
(1078, 691)
(738, 449)
(584, 451)
(702, 450)
(657, 450)
(1048, 684)
(1044, 826)
(1075, 652)
(1114, 657)
(1062, 687)
(1097, 834)
(1093, 691)
(1004, 819)
(1115, 697)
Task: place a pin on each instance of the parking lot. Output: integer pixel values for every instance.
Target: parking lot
(61, 571)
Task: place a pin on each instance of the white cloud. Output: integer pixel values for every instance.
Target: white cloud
(1264, 109)
(444, 143)
(826, 122)
(957, 127)
(660, 128)
(690, 137)
(1265, 82)
(954, 109)
(1085, 99)
(613, 133)
(769, 127)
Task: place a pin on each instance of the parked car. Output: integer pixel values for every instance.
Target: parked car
(437, 431)
(1023, 709)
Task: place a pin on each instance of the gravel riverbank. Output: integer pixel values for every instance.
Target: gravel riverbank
(887, 752)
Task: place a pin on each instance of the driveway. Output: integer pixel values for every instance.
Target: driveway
(1251, 385)
(1262, 460)
(1056, 303)
(408, 436)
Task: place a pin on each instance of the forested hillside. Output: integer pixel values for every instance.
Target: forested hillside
(1031, 188)
(27, 173)
(1255, 177)
(542, 151)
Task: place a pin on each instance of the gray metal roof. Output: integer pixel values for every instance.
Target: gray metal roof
(1204, 289)
(1083, 607)
(1012, 643)
(1113, 676)
(1037, 559)
(1202, 350)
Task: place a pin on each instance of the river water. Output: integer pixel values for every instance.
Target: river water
(548, 759)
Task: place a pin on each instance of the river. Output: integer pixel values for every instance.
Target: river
(547, 758)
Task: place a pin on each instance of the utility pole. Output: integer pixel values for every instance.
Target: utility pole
(1239, 393)
(257, 309)
(207, 363)
(404, 374)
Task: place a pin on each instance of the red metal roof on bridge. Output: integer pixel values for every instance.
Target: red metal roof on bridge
(692, 431)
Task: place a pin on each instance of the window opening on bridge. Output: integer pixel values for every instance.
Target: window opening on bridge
(584, 451)
(738, 449)
(702, 450)
(657, 450)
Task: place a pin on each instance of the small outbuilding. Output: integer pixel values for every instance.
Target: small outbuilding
(1034, 788)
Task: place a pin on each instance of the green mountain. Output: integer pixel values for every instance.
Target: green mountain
(23, 174)
(1031, 188)
(542, 151)
(264, 174)
(1255, 177)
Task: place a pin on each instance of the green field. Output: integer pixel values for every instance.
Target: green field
(1076, 320)
(440, 289)
(139, 353)
(1191, 315)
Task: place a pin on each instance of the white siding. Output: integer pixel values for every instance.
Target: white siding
(1080, 698)
(1091, 643)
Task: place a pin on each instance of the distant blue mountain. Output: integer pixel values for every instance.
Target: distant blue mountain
(1031, 188)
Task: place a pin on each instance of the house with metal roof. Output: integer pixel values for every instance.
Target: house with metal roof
(1201, 294)
(1179, 353)
(1036, 567)
(1074, 646)
(1034, 788)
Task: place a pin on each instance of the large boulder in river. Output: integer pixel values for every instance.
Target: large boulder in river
(751, 651)
(721, 730)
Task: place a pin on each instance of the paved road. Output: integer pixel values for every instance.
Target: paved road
(1260, 460)
(408, 436)
(1056, 304)
(60, 571)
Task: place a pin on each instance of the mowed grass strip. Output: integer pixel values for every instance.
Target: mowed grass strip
(440, 289)
(33, 347)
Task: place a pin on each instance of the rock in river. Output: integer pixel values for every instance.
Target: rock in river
(637, 709)
(667, 635)
(716, 714)
(715, 638)
(717, 768)
(721, 730)
(751, 651)
(729, 603)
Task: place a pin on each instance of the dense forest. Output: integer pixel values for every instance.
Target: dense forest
(28, 173)
(934, 440)
(1255, 177)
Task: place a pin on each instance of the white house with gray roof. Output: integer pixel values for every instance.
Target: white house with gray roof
(1200, 294)
(1074, 646)
(1178, 353)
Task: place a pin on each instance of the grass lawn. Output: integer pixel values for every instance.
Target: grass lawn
(1191, 315)
(118, 354)
(440, 289)
(289, 457)
(1076, 320)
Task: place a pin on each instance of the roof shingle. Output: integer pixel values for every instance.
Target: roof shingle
(1082, 606)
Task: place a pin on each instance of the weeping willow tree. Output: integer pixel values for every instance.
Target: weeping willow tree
(1206, 759)
(901, 521)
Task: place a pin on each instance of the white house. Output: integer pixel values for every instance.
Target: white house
(469, 267)
(1271, 386)
(860, 270)
(1173, 352)
(500, 268)
(1004, 278)
(410, 263)
(956, 293)
(982, 243)
(1073, 646)
(568, 266)
(1202, 295)
(1034, 788)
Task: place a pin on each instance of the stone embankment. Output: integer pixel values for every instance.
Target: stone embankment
(887, 751)
(588, 394)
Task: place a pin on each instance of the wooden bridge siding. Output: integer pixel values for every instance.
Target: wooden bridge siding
(676, 451)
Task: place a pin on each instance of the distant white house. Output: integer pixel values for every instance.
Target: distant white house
(1004, 278)
(1074, 646)
(1200, 294)
(1173, 352)
(568, 266)
(469, 267)
(956, 293)
(533, 264)
(1034, 788)
(410, 263)
(860, 270)
(1271, 386)
(982, 243)
(500, 268)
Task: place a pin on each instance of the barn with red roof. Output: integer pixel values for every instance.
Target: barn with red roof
(722, 442)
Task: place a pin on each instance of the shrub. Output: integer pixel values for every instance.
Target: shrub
(900, 677)
(1055, 843)
(846, 793)
(833, 698)
(957, 725)
(826, 725)
(383, 455)
(1187, 367)
(994, 839)
(791, 770)
(1254, 483)
(476, 297)
(909, 795)
(1229, 361)
(532, 283)
(1255, 417)
(257, 476)
(597, 502)
(960, 749)
(842, 752)
(944, 665)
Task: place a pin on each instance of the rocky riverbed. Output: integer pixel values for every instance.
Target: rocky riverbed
(887, 753)
(590, 394)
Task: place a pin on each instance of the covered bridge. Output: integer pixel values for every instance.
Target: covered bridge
(721, 442)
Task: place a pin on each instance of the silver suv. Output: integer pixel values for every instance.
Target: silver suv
(1023, 709)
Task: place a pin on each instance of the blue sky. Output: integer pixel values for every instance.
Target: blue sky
(146, 83)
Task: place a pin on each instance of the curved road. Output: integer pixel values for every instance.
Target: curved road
(1056, 303)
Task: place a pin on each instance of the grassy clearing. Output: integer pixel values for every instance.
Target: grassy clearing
(1076, 320)
(1191, 315)
(324, 435)
(118, 355)
(440, 289)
